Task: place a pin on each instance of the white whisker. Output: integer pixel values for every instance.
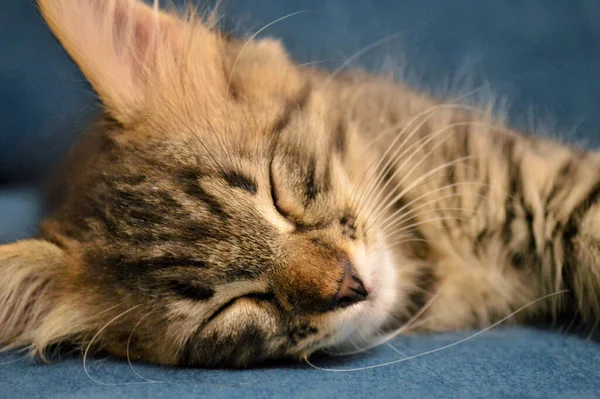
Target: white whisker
(420, 180)
(128, 356)
(440, 348)
(421, 143)
(356, 55)
(89, 345)
(414, 150)
(410, 213)
(413, 226)
(251, 38)
(393, 334)
(377, 166)
(591, 334)
(415, 216)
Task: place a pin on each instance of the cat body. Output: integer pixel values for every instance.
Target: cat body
(232, 207)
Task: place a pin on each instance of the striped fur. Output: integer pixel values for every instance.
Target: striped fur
(213, 215)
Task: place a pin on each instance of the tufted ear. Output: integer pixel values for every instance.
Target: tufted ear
(141, 60)
(35, 307)
(115, 43)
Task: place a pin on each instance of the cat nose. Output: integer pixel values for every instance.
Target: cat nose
(351, 291)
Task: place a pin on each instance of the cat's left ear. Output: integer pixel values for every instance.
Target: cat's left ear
(138, 58)
(116, 44)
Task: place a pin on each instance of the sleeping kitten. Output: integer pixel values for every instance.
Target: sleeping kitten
(232, 207)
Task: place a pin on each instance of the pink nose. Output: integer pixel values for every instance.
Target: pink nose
(352, 290)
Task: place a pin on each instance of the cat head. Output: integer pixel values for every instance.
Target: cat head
(223, 211)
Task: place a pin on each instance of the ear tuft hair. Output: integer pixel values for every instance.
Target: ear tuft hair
(115, 43)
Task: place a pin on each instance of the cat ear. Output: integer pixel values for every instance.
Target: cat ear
(115, 44)
(35, 310)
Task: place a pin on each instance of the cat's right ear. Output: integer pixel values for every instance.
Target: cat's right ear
(36, 306)
(115, 43)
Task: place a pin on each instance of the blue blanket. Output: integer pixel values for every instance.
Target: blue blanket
(503, 363)
(543, 56)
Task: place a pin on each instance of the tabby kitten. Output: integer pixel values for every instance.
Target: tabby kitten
(232, 206)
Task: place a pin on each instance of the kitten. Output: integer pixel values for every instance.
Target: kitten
(232, 206)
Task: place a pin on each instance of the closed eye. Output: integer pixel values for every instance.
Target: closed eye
(299, 226)
(259, 297)
(274, 195)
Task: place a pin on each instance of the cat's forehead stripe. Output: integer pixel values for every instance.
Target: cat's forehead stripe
(340, 139)
(239, 180)
(310, 185)
(190, 180)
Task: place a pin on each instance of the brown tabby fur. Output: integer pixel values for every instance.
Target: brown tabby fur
(209, 217)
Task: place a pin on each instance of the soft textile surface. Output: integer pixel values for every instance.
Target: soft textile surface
(543, 56)
(515, 363)
(20, 211)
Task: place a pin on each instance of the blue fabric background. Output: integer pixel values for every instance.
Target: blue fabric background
(505, 363)
(543, 56)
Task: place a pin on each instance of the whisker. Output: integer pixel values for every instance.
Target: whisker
(427, 113)
(375, 165)
(419, 181)
(389, 246)
(414, 148)
(251, 38)
(591, 334)
(128, 356)
(356, 55)
(409, 323)
(311, 63)
(436, 200)
(391, 204)
(89, 345)
(386, 200)
(442, 347)
(402, 220)
(412, 227)
(389, 160)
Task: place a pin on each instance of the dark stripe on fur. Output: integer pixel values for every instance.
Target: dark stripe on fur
(424, 286)
(186, 290)
(189, 179)
(348, 227)
(340, 139)
(189, 352)
(239, 180)
(514, 186)
(582, 208)
(571, 230)
(161, 262)
(111, 122)
(291, 107)
(303, 227)
(298, 334)
(283, 120)
(564, 173)
(310, 184)
(570, 260)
